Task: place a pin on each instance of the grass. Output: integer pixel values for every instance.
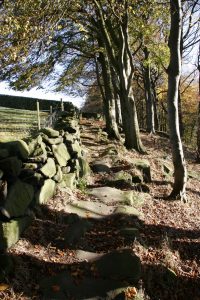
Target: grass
(18, 124)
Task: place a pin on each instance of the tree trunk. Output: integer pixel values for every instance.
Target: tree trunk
(198, 128)
(119, 55)
(108, 99)
(150, 118)
(155, 103)
(174, 71)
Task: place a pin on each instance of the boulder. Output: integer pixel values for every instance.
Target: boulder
(20, 195)
(49, 169)
(51, 133)
(144, 166)
(100, 167)
(61, 154)
(124, 176)
(137, 176)
(10, 231)
(16, 148)
(46, 192)
(11, 166)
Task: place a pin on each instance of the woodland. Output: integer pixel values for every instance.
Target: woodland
(138, 64)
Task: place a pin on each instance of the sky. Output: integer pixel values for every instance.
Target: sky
(41, 94)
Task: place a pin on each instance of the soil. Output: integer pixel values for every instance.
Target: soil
(169, 232)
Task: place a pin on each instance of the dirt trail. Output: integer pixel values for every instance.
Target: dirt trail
(61, 255)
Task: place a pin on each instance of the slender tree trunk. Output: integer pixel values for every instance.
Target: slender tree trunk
(155, 103)
(108, 99)
(198, 126)
(180, 112)
(174, 72)
(150, 118)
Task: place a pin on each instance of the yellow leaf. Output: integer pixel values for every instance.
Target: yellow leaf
(3, 287)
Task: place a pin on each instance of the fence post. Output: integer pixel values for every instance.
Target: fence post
(38, 115)
(51, 115)
(62, 104)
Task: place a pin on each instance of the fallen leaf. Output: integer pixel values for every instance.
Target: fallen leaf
(55, 288)
(3, 287)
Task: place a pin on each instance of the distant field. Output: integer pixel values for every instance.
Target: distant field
(18, 124)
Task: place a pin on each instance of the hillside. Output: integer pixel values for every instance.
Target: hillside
(163, 233)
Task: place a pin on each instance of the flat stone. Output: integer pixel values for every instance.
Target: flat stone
(59, 175)
(86, 289)
(51, 133)
(49, 169)
(95, 208)
(119, 265)
(40, 150)
(70, 180)
(76, 231)
(61, 154)
(87, 256)
(34, 143)
(52, 141)
(110, 195)
(85, 170)
(76, 148)
(89, 209)
(30, 166)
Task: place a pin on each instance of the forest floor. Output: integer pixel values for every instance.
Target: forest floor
(169, 230)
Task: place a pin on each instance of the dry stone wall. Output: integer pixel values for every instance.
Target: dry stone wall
(31, 172)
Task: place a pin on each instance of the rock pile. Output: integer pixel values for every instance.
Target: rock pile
(30, 173)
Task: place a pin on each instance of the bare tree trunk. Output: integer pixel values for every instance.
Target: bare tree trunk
(174, 72)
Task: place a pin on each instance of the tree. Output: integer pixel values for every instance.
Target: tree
(174, 72)
(72, 27)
